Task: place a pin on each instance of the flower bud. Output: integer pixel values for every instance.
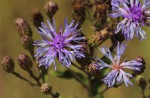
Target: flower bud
(78, 5)
(24, 62)
(51, 8)
(46, 88)
(37, 18)
(99, 37)
(79, 12)
(92, 69)
(27, 42)
(23, 27)
(141, 59)
(8, 64)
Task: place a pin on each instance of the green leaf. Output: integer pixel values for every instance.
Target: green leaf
(62, 74)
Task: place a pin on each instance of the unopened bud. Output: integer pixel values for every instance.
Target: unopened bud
(27, 42)
(37, 18)
(99, 37)
(141, 59)
(8, 64)
(46, 88)
(78, 5)
(141, 81)
(24, 62)
(142, 67)
(51, 8)
(92, 69)
(23, 27)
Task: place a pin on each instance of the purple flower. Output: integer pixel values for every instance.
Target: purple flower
(63, 45)
(117, 73)
(116, 2)
(135, 15)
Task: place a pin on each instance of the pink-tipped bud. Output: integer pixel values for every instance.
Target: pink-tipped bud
(51, 8)
(24, 62)
(8, 64)
(46, 88)
(23, 27)
(27, 42)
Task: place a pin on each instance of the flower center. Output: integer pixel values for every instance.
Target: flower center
(58, 43)
(116, 67)
(136, 14)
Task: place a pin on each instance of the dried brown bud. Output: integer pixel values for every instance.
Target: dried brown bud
(51, 8)
(100, 15)
(46, 88)
(27, 42)
(140, 59)
(92, 69)
(79, 12)
(101, 36)
(37, 18)
(23, 27)
(78, 5)
(25, 62)
(8, 64)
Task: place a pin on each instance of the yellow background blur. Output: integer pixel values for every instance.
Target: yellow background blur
(12, 87)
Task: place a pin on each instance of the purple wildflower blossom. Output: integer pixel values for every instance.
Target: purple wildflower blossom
(64, 45)
(116, 2)
(117, 74)
(135, 15)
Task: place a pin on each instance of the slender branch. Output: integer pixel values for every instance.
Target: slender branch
(42, 74)
(104, 90)
(21, 77)
(78, 79)
(142, 92)
(78, 67)
(34, 77)
(31, 51)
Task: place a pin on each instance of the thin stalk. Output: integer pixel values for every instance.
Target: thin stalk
(23, 78)
(31, 51)
(104, 90)
(78, 67)
(78, 79)
(34, 77)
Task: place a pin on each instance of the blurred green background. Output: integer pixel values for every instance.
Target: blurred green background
(12, 87)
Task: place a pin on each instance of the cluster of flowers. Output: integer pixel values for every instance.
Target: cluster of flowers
(67, 45)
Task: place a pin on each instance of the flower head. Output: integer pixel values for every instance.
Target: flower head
(135, 15)
(63, 45)
(117, 74)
